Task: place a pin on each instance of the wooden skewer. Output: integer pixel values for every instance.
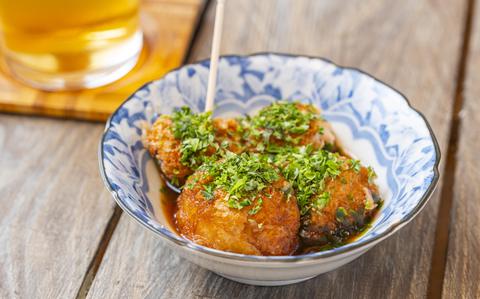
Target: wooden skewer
(217, 35)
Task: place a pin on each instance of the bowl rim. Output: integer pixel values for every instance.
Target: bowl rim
(294, 258)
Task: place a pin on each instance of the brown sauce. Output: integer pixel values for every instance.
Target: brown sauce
(168, 201)
(306, 249)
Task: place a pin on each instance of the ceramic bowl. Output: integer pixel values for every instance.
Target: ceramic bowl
(373, 121)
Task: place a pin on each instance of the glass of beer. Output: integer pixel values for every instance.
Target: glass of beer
(69, 44)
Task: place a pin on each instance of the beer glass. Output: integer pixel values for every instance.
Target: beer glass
(69, 44)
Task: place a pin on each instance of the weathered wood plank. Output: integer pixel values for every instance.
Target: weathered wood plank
(463, 259)
(53, 206)
(413, 45)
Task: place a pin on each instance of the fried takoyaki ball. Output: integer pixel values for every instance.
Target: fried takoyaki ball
(346, 204)
(180, 142)
(166, 149)
(290, 124)
(213, 223)
(214, 215)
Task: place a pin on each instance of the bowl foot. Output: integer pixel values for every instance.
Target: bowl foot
(259, 282)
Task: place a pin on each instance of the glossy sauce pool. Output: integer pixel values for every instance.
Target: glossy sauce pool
(168, 201)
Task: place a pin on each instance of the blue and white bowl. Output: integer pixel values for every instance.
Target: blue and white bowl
(374, 122)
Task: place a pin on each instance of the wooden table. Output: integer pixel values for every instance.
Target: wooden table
(62, 236)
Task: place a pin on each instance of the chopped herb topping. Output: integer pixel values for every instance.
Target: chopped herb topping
(225, 144)
(242, 176)
(283, 121)
(191, 182)
(195, 130)
(321, 201)
(207, 192)
(329, 147)
(371, 174)
(175, 181)
(341, 214)
(256, 208)
(355, 165)
(307, 171)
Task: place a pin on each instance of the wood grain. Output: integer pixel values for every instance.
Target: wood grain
(167, 25)
(53, 206)
(412, 45)
(463, 259)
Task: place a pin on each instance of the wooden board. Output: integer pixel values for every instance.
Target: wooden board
(168, 26)
(462, 273)
(412, 45)
(53, 206)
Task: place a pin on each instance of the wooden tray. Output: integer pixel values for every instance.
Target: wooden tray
(168, 26)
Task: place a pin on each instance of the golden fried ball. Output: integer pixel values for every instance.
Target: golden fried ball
(212, 223)
(165, 148)
(354, 199)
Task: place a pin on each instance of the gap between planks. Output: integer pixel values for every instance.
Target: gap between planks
(97, 259)
(199, 24)
(99, 253)
(440, 248)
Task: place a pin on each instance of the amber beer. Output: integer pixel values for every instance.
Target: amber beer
(69, 44)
